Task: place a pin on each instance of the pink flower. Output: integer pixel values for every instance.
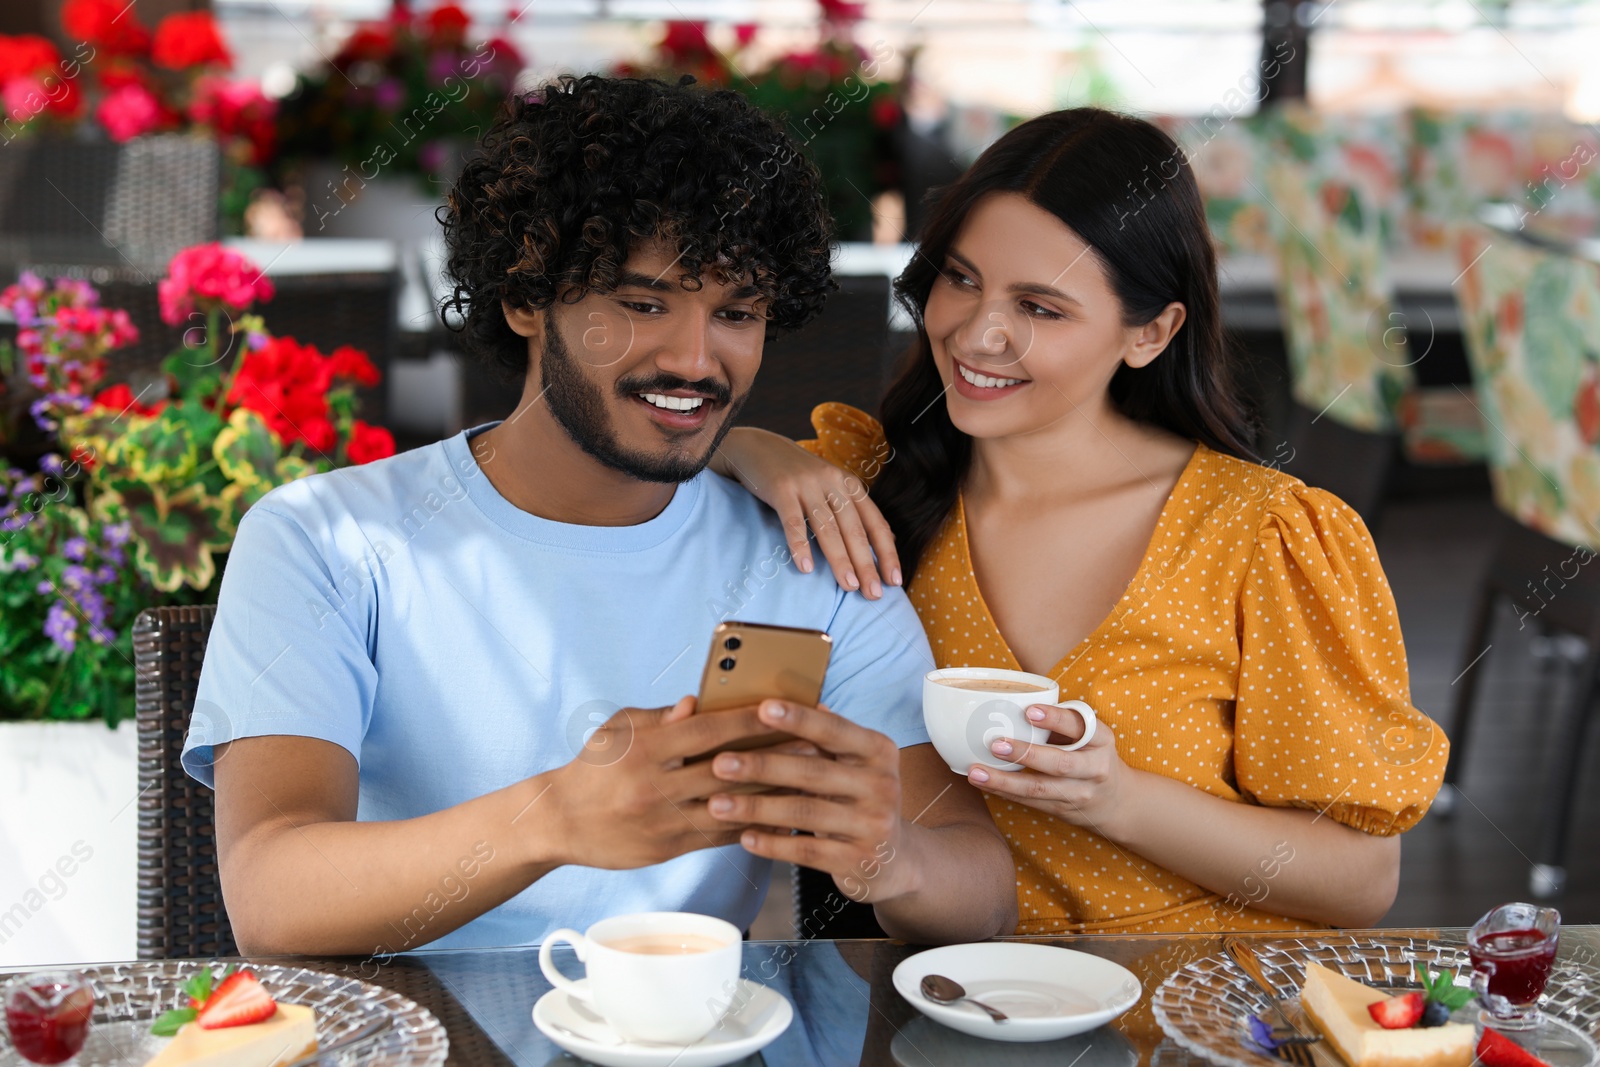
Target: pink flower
(128, 111)
(209, 276)
(23, 97)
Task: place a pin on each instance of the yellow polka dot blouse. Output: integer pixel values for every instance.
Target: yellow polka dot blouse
(1256, 655)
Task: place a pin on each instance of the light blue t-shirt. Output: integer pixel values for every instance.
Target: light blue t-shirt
(456, 644)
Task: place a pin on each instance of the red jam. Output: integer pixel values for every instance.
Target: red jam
(49, 1021)
(1521, 961)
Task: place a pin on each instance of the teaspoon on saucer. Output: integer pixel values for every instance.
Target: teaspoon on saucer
(942, 990)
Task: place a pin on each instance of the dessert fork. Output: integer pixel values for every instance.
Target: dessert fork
(1292, 1047)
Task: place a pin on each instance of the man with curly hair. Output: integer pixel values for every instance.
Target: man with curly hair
(444, 697)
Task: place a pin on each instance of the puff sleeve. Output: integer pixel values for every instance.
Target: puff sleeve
(1323, 718)
(848, 438)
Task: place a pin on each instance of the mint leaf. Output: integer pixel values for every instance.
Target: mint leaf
(199, 987)
(1458, 997)
(171, 1021)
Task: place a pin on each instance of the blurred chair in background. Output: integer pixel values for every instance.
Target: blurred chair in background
(1532, 320)
(843, 355)
(1356, 399)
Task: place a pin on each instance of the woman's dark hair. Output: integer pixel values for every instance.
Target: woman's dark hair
(1125, 188)
(572, 175)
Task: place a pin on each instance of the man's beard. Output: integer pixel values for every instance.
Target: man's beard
(580, 407)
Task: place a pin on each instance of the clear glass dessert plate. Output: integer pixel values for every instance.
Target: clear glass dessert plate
(129, 996)
(1205, 1006)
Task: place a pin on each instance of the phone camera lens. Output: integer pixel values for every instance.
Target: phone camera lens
(727, 663)
(732, 644)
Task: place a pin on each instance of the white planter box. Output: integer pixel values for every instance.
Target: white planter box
(68, 843)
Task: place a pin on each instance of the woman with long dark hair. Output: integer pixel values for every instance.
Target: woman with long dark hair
(1065, 474)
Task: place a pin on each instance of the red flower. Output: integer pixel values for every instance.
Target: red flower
(83, 456)
(368, 443)
(189, 39)
(447, 23)
(129, 111)
(210, 275)
(685, 40)
(886, 113)
(26, 54)
(371, 40)
(120, 398)
(507, 56)
(68, 102)
(109, 25)
(842, 10)
(286, 383)
(237, 109)
(351, 364)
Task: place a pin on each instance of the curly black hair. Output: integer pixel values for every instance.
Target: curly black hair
(571, 175)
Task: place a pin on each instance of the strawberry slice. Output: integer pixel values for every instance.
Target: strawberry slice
(239, 1001)
(1398, 1013)
(1497, 1050)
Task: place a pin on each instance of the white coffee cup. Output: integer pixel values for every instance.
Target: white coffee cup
(643, 982)
(963, 723)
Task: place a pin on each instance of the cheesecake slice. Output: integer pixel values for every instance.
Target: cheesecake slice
(290, 1033)
(1338, 1007)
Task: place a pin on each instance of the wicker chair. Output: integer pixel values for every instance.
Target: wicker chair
(181, 913)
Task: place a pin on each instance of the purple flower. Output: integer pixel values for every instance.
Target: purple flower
(75, 577)
(441, 67)
(61, 626)
(45, 588)
(105, 574)
(388, 93)
(76, 549)
(117, 534)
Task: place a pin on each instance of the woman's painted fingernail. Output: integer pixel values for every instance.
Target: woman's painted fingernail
(729, 764)
(851, 580)
(748, 840)
(1035, 714)
(978, 774)
(773, 710)
(894, 576)
(721, 805)
(1001, 747)
(805, 564)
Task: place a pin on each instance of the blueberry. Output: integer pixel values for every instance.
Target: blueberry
(1434, 1014)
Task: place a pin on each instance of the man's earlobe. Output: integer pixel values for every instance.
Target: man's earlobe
(523, 320)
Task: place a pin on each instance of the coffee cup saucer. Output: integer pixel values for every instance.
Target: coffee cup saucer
(755, 1021)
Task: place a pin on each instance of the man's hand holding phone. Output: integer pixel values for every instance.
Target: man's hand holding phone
(631, 797)
(846, 799)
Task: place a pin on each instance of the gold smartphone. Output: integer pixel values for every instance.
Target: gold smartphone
(750, 662)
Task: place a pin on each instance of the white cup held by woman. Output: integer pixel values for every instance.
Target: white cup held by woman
(664, 977)
(966, 709)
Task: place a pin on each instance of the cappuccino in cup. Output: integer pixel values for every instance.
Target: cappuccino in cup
(991, 685)
(664, 977)
(967, 708)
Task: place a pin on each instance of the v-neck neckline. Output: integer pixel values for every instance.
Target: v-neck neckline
(1158, 536)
